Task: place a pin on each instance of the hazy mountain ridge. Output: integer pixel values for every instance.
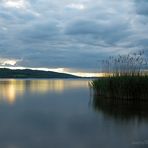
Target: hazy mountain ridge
(28, 73)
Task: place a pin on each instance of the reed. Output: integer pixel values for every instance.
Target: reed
(126, 78)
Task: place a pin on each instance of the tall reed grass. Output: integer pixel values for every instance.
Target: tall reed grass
(126, 77)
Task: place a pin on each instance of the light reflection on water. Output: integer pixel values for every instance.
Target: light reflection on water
(11, 89)
(57, 114)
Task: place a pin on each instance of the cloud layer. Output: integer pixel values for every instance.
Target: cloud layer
(71, 34)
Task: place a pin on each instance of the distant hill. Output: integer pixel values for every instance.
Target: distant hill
(27, 73)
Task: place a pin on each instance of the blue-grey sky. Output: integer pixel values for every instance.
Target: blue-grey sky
(72, 34)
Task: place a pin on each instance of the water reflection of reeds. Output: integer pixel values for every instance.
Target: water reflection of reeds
(119, 109)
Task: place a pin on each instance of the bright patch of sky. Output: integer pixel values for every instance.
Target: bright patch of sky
(15, 3)
(8, 62)
(76, 6)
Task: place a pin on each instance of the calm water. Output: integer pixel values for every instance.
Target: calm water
(60, 114)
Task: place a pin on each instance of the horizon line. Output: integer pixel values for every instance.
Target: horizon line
(58, 70)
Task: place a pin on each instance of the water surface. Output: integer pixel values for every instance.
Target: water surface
(59, 114)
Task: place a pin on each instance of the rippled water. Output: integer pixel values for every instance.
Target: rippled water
(60, 114)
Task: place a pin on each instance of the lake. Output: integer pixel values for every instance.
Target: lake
(59, 113)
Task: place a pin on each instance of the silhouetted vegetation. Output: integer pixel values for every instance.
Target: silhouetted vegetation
(135, 64)
(27, 73)
(126, 77)
(123, 87)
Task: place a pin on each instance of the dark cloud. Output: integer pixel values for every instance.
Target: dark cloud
(72, 34)
(108, 31)
(142, 7)
(84, 27)
(41, 31)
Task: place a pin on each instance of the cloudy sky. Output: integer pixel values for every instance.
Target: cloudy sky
(70, 34)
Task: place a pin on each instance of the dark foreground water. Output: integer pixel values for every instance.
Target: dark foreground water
(60, 114)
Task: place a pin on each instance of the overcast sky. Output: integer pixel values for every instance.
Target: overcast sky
(73, 34)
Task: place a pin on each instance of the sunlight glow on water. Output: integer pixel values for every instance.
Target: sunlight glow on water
(58, 113)
(12, 89)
